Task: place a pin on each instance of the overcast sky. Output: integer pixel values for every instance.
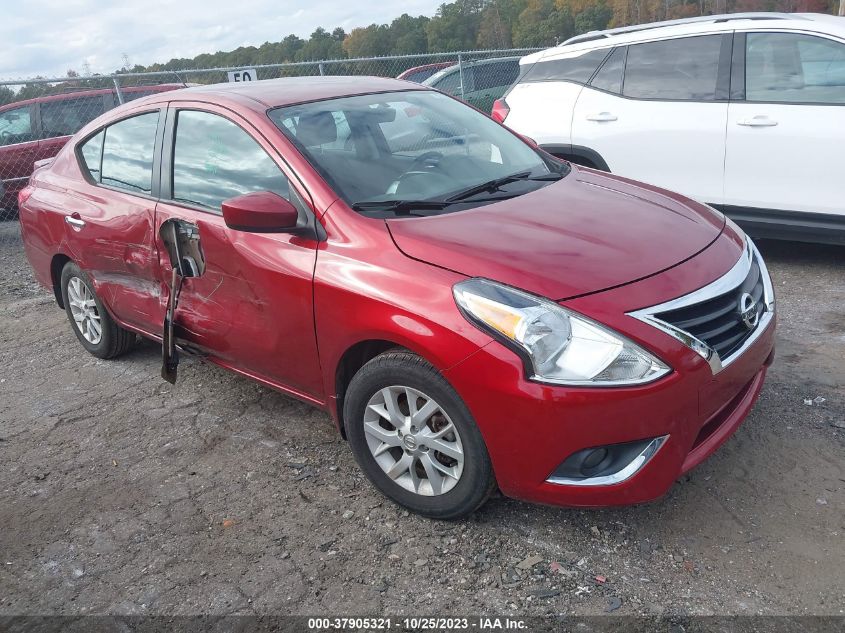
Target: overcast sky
(47, 37)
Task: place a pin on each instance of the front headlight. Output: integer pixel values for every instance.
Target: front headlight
(561, 346)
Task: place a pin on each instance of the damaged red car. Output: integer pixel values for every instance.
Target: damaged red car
(473, 312)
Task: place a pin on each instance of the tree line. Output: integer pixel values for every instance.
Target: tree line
(480, 24)
(456, 26)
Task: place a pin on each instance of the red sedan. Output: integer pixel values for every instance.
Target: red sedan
(473, 312)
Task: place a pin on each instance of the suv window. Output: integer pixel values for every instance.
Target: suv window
(577, 69)
(128, 153)
(609, 78)
(496, 74)
(786, 67)
(683, 69)
(214, 160)
(16, 126)
(64, 117)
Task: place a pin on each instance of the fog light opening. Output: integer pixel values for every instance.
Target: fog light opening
(606, 465)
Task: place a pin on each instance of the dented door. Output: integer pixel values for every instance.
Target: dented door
(109, 223)
(113, 241)
(252, 308)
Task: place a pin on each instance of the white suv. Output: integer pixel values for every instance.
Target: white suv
(745, 112)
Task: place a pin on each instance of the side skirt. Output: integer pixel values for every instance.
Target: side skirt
(799, 226)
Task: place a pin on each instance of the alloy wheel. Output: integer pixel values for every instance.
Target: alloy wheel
(84, 310)
(413, 440)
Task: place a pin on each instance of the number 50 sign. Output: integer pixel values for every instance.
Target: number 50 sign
(245, 74)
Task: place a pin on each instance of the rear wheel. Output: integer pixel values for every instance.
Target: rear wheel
(414, 438)
(90, 321)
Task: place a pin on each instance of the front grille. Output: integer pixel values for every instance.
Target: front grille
(718, 321)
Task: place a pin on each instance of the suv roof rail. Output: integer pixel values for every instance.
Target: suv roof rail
(725, 17)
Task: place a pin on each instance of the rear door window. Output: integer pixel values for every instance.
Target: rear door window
(128, 151)
(64, 117)
(92, 155)
(496, 74)
(683, 69)
(609, 78)
(792, 68)
(16, 126)
(577, 69)
(214, 159)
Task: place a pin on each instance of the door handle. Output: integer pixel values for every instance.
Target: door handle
(602, 116)
(761, 120)
(75, 221)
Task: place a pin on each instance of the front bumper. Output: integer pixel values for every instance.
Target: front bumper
(530, 428)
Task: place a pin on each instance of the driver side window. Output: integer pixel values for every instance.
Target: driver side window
(214, 159)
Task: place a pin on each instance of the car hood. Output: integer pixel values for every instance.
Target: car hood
(585, 233)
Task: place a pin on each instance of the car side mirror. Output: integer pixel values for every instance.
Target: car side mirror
(260, 212)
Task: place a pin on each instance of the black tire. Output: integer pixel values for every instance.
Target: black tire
(394, 368)
(114, 340)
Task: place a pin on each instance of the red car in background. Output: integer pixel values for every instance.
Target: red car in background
(36, 129)
(473, 312)
(419, 74)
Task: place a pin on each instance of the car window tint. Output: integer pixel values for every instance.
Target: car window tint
(683, 69)
(16, 126)
(578, 69)
(785, 67)
(214, 160)
(64, 117)
(131, 95)
(609, 78)
(496, 74)
(128, 153)
(92, 154)
(419, 76)
(451, 83)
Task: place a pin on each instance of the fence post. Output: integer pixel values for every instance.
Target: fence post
(117, 90)
(322, 71)
(461, 73)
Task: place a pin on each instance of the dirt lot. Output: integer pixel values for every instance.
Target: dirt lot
(122, 494)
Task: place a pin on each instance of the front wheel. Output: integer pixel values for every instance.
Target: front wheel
(415, 439)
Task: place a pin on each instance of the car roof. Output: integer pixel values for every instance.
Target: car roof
(271, 93)
(417, 69)
(722, 23)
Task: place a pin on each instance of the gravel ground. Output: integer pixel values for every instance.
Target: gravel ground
(122, 494)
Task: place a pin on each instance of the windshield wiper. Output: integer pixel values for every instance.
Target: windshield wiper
(492, 185)
(403, 207)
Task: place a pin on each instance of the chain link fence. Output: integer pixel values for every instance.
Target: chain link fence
(38, 116)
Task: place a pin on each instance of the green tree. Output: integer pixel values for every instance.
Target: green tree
(370, 41)
(594, 18)
(493, 31)
(409, 35)
(542, 23)
(322, 45)
(6, 95)
(455, 26)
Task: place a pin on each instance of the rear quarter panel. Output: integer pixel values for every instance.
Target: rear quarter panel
(543, 110)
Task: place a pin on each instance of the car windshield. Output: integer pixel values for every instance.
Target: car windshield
(389, 151)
